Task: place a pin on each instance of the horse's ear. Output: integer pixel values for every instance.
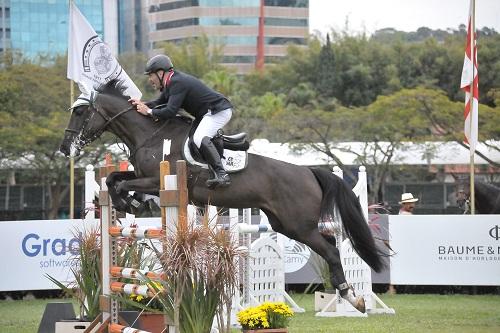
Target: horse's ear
(459, 178)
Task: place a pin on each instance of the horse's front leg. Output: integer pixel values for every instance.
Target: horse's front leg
(113, 182)
(119, 188)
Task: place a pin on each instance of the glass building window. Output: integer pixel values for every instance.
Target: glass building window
(287, 3)
(284, 40)
(278, 21)
(177, 23)
(41, 27)
(229, 3)
(238, 59)
(173, 5)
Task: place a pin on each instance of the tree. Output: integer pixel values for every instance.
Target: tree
(33, 114)
(196, 56)
(326, 82)
(222, 81)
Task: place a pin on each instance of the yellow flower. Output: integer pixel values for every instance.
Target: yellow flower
(266, 315)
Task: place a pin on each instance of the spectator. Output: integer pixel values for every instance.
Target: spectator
(407, 204)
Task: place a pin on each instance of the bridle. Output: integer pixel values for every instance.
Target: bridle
(86, 139)
(464, 200)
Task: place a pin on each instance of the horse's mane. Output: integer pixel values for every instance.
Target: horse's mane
(487, 186)
(114, 87)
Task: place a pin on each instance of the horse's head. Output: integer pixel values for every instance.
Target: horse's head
(90, 117)
(463, 195)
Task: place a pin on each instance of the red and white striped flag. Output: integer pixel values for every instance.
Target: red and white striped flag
(470, 78)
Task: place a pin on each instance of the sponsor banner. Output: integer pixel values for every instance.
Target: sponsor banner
(445, 249)
(32, 249)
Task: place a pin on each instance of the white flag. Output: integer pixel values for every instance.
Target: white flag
(90, 62)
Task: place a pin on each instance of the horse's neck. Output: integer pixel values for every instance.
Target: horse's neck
(132, 128)
(138, 131)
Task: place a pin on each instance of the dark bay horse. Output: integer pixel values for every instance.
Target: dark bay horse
(294, 198)
(486, 197)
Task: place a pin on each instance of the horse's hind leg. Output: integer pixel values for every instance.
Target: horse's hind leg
(325, 247)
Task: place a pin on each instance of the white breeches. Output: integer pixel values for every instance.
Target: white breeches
(210, 124)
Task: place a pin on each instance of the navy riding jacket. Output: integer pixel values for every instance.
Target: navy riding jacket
(184, 91)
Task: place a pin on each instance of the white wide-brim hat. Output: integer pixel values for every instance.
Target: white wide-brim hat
(407, 197)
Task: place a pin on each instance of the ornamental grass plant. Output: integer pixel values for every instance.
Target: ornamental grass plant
(86, 269)
(266, 315)
(200, 277)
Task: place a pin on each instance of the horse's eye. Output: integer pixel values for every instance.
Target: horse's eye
(79, 111)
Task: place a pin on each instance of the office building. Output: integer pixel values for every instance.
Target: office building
(252, 32)
(239, 25)
(40, 27)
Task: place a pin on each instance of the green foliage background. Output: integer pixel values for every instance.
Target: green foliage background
(389, 87)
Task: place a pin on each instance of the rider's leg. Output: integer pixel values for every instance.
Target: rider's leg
(211, 155)
(205, 131)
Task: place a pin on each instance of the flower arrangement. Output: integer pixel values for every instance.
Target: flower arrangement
(149, 303)
(266, 315)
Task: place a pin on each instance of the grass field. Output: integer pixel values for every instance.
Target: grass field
(414, 313)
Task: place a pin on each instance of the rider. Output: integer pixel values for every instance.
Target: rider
(211, 109)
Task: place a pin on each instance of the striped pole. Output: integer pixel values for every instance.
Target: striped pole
(131, 273)
(139, 232)
(132, 289)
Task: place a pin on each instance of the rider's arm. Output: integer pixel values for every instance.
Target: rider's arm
(176, 97)
(160, 100)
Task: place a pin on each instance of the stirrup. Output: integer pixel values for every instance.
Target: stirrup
(217, 181)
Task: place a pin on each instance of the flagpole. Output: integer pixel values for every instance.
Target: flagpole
(71, 164)
(71, 159)
(471, 116)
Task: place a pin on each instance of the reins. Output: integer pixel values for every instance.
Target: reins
(109, 120)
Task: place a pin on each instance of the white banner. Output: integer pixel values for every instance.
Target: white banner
(31, 249)
(445, 249)
(90, 61)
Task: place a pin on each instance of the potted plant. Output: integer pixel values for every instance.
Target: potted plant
(151, 318)
(86, 269)
(267, 317)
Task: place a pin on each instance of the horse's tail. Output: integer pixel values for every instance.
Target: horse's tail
(336, 192)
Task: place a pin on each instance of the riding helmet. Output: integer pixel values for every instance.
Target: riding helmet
(158, 62)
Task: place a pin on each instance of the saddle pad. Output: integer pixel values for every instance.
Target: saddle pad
(232, 161)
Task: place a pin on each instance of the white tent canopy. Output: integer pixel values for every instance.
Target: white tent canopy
(428, 153)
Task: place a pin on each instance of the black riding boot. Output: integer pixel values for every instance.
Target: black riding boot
(211, 155)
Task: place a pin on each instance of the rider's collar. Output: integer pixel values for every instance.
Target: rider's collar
(167, 78)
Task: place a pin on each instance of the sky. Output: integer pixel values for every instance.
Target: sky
(405, 15)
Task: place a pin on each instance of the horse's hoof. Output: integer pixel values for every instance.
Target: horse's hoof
(360, 304)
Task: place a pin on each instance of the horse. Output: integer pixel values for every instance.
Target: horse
(294, 198)
(486, 197)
